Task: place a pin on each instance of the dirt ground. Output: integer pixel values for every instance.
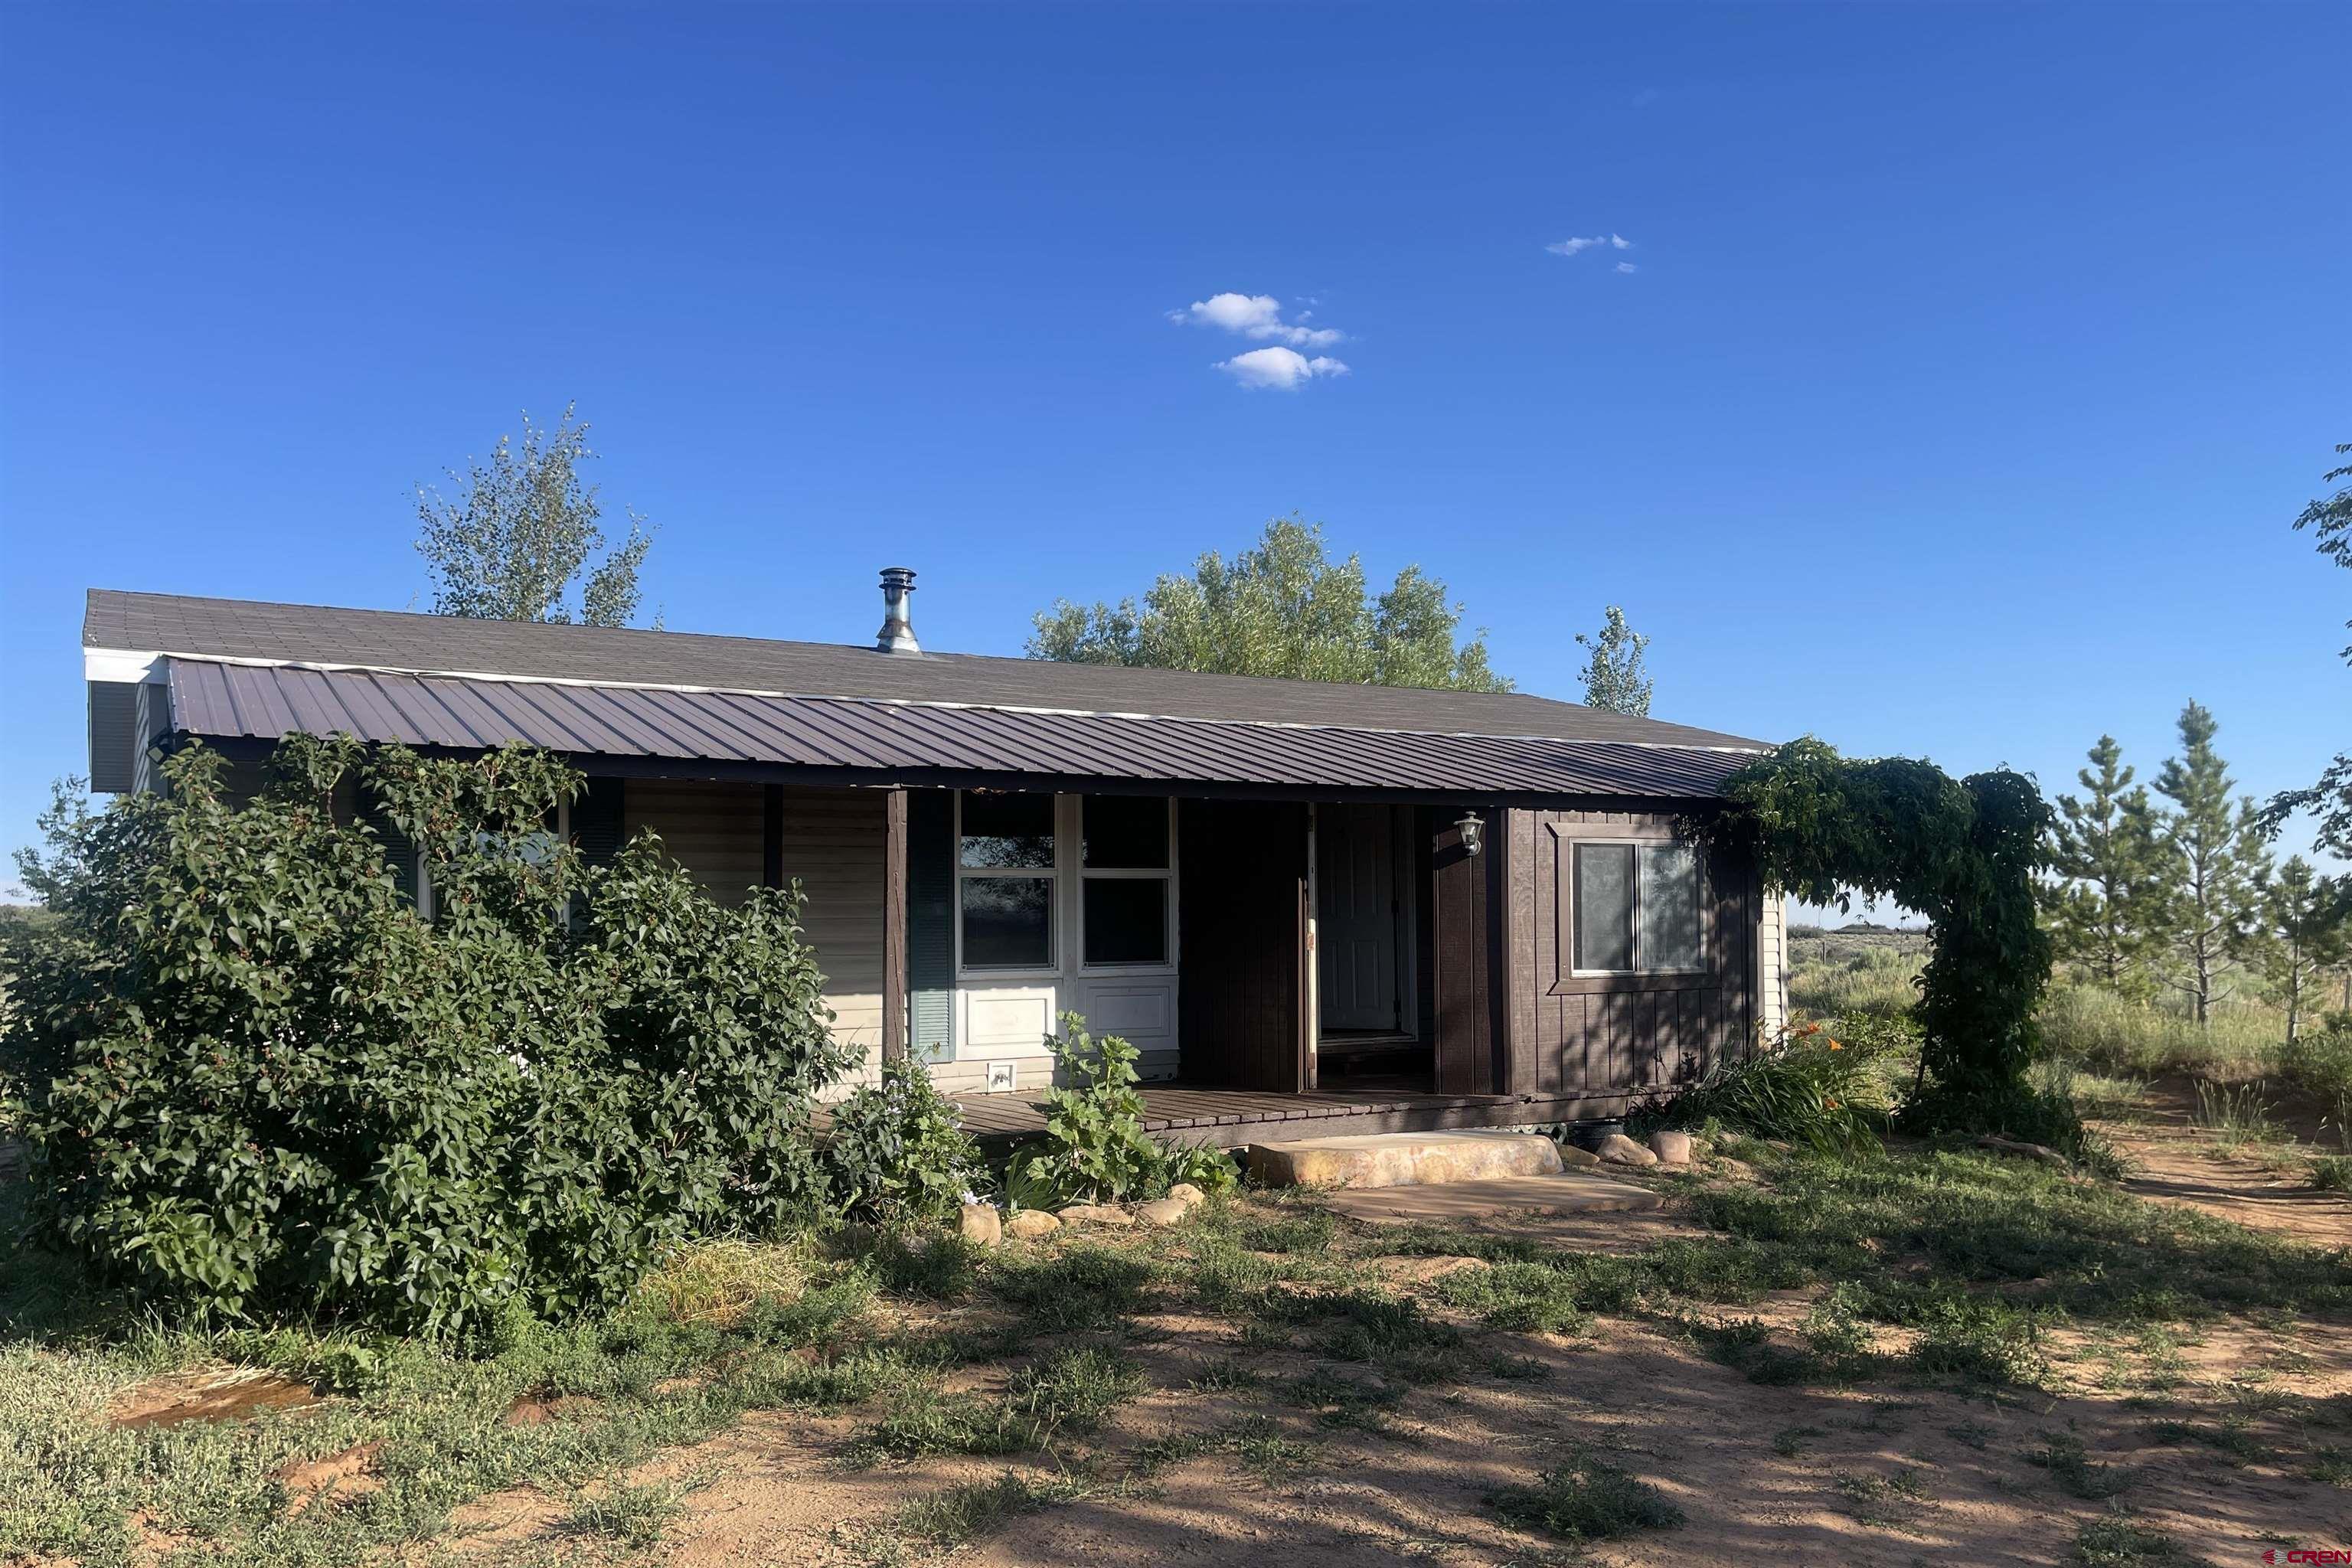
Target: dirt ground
(1881, 1474)
(2173, 1160)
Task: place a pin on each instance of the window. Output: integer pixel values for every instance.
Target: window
(1124, 873)
(1636, 909)
(1004, 880)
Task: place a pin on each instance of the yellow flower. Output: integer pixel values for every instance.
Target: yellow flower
(1835, 1046)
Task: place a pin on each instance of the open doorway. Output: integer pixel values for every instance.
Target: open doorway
(1368, 948)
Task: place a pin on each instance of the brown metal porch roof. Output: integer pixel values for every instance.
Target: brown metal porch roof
(861, 740)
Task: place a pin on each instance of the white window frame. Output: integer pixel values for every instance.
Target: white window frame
(1165, 876)
(1633, 905)
(1051, 874)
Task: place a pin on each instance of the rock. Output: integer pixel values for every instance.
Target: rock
(1095, 1214)
(980, 1224)
(1671, 1148)
(1031, 1223)
(2040, 1151)
(1403, 1159)
(1188, 1194)
(348, 1474)
(1160, 1212)
(1732, 1170)
(1619, 1150)
(1578, 1159)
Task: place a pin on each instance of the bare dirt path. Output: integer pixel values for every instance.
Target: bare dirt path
(2174, 1161)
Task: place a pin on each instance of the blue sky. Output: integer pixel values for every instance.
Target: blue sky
(1971, 364)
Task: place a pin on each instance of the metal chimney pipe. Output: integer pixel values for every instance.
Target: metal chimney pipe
(897, 632)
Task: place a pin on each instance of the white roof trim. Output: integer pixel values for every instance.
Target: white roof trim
(93, 654)
(121, 666)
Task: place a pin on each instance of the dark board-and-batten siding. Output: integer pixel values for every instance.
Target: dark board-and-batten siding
(1615, 1035)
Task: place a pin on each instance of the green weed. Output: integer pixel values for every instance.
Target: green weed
(1586, 1498)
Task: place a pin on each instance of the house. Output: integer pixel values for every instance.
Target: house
(1404, 908)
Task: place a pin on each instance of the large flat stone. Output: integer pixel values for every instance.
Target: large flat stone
(1403, 1159)
(1573, 1192)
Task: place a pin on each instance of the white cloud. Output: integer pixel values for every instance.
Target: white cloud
(1627, 267)
(1256, 316)
(1572, 246)
(1286, 369)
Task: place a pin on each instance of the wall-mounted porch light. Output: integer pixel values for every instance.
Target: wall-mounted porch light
(1473, 830)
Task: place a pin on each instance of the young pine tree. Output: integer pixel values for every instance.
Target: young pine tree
(2218, 865)
(2104, 912)
(2306, 930)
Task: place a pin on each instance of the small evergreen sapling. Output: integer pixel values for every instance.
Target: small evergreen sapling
(2216, 864)
(2105, 902)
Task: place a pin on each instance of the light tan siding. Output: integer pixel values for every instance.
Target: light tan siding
(832, 846)
(711, 830)
(1772, 965)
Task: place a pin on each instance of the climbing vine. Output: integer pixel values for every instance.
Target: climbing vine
(1962, 852)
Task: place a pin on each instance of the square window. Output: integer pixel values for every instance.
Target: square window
(1007, 832)
(1127, 920)
(1605, 907)
(1125, 833)
(1008, 922)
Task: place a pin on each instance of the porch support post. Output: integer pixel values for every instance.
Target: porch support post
(893, 925)
(771, 836)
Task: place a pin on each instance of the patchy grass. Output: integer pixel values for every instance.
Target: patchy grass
(1884, 1503)
(1586, 1498)
(2073, 1468)
(631, 1515)
(962, 1514)
(2121, 1543)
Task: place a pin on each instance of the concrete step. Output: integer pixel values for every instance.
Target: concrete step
(1403, 1159)
(1574, 1192)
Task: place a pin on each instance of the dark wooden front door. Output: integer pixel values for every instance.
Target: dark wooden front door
(1358, 915)
(1241, 1013)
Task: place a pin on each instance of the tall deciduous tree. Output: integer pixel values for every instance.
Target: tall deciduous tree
(523, 535)
(1283, 609)
(2106, 908)
(2305, 928)
(1615, 676)
(2219, 861)
(2329, 518)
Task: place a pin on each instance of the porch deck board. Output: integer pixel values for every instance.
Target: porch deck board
(1193, 1113)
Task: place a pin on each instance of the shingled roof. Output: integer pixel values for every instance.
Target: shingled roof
(248, 669)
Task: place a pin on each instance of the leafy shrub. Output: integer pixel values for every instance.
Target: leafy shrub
(1095, 1149)
(1963, 852)
(1810, 1086)
(898, 1150)
(2331, 1174)
(254, 1080)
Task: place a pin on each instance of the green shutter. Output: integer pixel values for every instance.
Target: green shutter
(596, 820)
(930, 925)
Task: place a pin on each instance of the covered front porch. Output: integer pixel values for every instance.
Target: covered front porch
(1226, 1118)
